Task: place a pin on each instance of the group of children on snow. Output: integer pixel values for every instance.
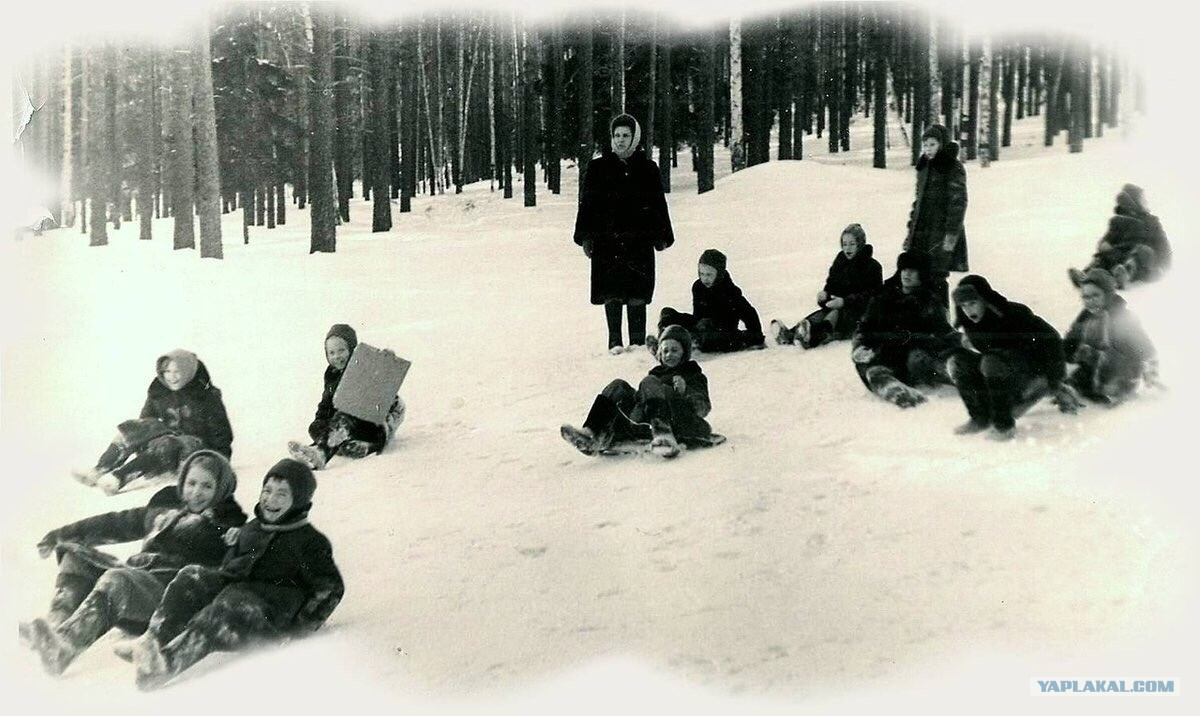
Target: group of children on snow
(998, 354)
(205, 579)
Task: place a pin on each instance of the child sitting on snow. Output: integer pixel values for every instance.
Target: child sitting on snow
(1135, 247)
(1107, 344)
(182, 414)
(667, 408)
(718, 306)
(279, 580)
(853, 278)
(334, 432)
(184, 524)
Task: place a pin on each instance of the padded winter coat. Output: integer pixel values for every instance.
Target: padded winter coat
(374, 434)
(1012, 328)
(688, 410)
(722, 303)
(623, 217)
(195, 409)
(172, 536)
(290, 567)
(1116, 333)
(854, 281)
(896, 323)
(939, 209)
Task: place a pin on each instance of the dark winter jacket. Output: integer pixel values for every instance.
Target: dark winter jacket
(896, 323)
(172, 536)
(290, 566)
(1012, 328)
(722, 303)
(939, 209)
(1128, 229)
(622, 221)
(688, 410)
(375, 435)
(195, 409)
(854, 281)
(1115, 333)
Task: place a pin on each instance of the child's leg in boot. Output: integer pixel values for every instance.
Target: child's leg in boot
(58, 646)
(612, 314)
(997, 376)
(637, 322)
(966, 376)
(192, 589)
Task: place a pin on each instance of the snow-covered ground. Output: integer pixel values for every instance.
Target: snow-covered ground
(835, 548)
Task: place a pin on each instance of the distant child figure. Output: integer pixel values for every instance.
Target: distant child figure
(667, 408)
(903, 339)
(278, 580)
(1014, 359)
(187, 523)
(1135, 247)
(182, 414)
(334, 432)
(718, 307)
(1107, 344)
(853, 278)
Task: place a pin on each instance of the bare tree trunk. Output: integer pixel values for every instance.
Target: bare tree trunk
(112, 139)
(181, 149)
(493, 155)
(1077, 62)
(879, 79)
(408, 121)
(529, 146)
(619, 67)
(208, 201)
(555, 110)
(323, 213)
(379, 137)
(736, 128)
(707, 112)
(584, 78)
(343, 122)
(667, 142)
(95, 96)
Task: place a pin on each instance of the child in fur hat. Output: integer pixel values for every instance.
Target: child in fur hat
(183, 413)
(187, 523)
(1107, 344)
(1014, 359)
(334, 432)
(935, 224)
(668, 406)
(1135, 247)
(718, 307)
(278, 580)
(853, 278)
(903, 339)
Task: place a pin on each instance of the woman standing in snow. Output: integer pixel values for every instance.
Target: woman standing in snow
(935, 225)
(622, 221)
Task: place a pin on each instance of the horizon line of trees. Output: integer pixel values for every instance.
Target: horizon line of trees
(267, 96)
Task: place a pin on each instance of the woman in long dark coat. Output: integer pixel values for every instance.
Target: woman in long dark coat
(622, 221)
(935, 226)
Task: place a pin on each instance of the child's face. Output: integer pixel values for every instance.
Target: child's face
(275, 500)
(172, 376)
(671, 353)
(708, 275)
(199, 488)
(849, 245)
(1093, 297)
(973, 310)
(337, 352)
(930, 147)
(910, 280)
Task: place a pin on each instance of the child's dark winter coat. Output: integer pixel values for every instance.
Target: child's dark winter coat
(896, 323)
(717, 311)
(939, 209)
(195, 409)
(855, 281)
(1013, 330)
(1115, 350)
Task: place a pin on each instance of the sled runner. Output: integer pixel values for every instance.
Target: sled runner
(642, 447)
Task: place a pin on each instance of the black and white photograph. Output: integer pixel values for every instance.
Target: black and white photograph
(599, 357)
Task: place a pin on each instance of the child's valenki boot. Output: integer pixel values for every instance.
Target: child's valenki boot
(582, 439)
(663, 442)
(310, 455)
(355, 449)
(59, 646)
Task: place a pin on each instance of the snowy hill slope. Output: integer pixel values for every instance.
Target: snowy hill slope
(832, 542)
